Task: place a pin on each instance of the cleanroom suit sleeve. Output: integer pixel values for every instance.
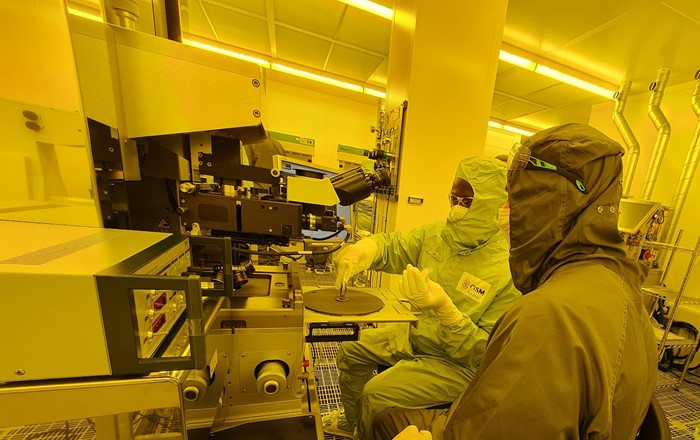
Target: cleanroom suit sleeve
(397, 250)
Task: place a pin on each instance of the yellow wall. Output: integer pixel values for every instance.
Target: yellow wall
(330, 120)
(676, 106)
(449, 87)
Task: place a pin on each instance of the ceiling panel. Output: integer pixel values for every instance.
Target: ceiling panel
(556, 116)
(301, 48)
(318, 16)
(640, 44)
(254, 6)
(364, 30)
(238, 29)
(352, 63)
(499, 98)
(547, 24)
(198, 23)
(689, 8)
(514, 108)
(520, 82)
(379, 76)
(561, 95)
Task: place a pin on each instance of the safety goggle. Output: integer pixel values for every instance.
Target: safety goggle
(521, 159)
(462, 201)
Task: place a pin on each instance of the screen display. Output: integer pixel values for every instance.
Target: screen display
(633, 214)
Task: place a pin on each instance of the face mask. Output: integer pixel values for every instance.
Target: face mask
(504, 223)
(457, 213)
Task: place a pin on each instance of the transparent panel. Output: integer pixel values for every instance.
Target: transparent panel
(44, 152)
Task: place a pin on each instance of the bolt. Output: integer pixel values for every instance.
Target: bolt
(209, 164)
(20, 372)
(256, 113)
(224, 355)
(289, 353)
(111, 149)
(242, 355)
(256, 82)
(201, 163)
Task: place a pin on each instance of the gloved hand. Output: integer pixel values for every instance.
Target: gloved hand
(411, 433)
(354, 259)
(426, 294)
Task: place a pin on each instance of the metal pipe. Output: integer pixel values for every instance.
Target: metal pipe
(664, 128)
(627, 136)
(689, 166)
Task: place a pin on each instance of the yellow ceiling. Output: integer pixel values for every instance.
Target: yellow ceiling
(606, 42)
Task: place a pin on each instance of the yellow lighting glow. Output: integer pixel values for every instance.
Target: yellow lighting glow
(373, 92)
(568, 79)
(517, 130)
(83, 14)
(510, 128)
(555, 74)
(516, 60)
(371, 7)
(314, 77)
(240, 56)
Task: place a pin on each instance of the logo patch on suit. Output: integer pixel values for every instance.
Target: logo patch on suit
(473, 287)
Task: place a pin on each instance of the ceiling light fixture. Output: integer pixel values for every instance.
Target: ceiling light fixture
(510, 128)
(517, 130)
(517, 61)
(555, 74)
(315, 77)
(83, 14)
(373, 92)
(371, 7)
(219, 50)
(568, 79)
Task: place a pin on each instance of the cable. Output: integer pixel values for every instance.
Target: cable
(329, 236)
(295, 253)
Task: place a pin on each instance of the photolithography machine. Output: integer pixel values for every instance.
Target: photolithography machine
(119, 310)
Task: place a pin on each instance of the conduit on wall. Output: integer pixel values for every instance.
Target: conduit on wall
(689, 166)
(627, 136)
(664, 131)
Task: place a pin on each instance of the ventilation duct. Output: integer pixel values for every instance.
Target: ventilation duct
(627, 136)
(689, 167)
(662, 126)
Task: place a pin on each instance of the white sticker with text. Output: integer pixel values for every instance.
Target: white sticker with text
(475, 288)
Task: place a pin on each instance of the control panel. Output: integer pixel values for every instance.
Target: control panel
(157, 311)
